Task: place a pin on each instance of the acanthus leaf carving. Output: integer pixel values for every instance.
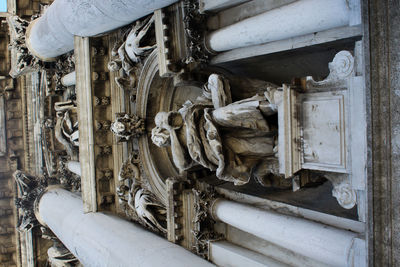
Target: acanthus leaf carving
(29, 189)
(22, 60)
(127, 56)
(139, 203)
(203, 230)
(195, 30)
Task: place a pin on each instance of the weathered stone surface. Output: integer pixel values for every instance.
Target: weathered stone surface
(383, 82)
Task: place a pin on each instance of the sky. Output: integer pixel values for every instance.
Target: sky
(3, 5)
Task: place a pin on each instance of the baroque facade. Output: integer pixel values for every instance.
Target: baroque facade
(199, 133)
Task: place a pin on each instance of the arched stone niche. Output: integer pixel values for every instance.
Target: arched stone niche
(157, 94)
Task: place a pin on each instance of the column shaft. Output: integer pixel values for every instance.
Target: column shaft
(69, 79)
(75, 167)
(299, 18)
(317, 241)
(97, 239)
(53, 34)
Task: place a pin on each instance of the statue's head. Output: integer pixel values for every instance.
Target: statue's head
(165, 122)
(161, 119)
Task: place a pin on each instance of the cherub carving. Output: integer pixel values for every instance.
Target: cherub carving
(127, 126)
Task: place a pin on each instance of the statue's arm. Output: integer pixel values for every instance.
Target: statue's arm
(179, 153)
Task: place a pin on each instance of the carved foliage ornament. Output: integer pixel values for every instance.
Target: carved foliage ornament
(22, 60)
(203, 230)
(127, 55)
(195, 28)
(127, 126)
(29, 189)
(147, 209)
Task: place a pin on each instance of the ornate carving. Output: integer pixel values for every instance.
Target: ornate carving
(66, 131)
(342, 190)
(203, 230)
(195, 28)
(341, 68)
(29, 188)
(146, 207)
(128, 54)
(64, 65)
(229, 138)
(23, 60)
(68, 179)
(127, 126)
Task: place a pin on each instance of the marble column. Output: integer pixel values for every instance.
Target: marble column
(299, 18)
(320, 242)
(97, 239)
(69, 79)
(52, 34)
(75, 167)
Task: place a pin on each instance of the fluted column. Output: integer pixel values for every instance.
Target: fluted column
(52, 34)
(97, 239)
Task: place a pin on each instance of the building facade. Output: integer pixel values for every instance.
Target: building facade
(196, 133)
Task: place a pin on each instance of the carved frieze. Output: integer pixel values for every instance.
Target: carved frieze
(180, 30)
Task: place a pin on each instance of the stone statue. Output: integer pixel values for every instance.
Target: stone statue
(67, 133)
(126, 126)
(229, 138)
